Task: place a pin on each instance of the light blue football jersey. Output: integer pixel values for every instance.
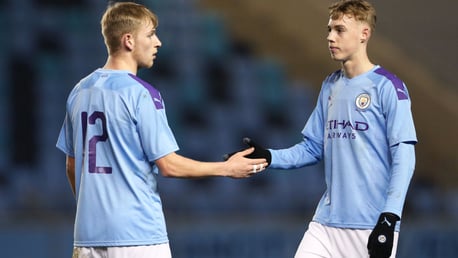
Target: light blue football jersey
(354, 125)
(115, 128)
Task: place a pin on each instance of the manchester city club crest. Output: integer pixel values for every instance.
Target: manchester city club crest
(363, 101)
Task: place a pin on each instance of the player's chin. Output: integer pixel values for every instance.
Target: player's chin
(337, 58)
(334, 57)
(148, 65)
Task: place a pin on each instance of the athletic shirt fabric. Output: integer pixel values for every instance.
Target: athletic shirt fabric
(115, 128)
(356, 121)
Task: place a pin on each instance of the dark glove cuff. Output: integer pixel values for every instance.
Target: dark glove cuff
(267, 156)
(390, 217)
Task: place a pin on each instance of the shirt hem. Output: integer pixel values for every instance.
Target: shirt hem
(120, 243)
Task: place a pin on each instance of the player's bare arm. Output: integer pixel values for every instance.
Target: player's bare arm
(70, 169)
(237, 166)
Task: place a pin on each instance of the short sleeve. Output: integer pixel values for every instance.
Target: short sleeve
(65, 140)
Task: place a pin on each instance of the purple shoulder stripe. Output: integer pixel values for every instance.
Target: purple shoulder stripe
(398, 84)
(155, 95)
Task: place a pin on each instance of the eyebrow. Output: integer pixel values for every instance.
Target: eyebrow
(338, 26)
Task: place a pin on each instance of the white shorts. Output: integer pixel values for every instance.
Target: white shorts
(321, 241)
(142, 251)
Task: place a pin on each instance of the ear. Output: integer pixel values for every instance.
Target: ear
(128, 41)
(365, 34)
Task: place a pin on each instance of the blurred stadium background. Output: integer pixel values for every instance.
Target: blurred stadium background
(227, 69)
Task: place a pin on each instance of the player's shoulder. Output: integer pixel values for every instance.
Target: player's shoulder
(144, 84)
(334, 76)
(152, 91)
(382, 73)
(331, 79)
(116, 79)
(120, 79)
(105, 78)
(388, 80)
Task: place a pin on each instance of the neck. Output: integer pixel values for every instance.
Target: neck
(352, 69)
(116, 62)
(358, 64)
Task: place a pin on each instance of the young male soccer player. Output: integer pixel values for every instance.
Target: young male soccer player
(363, 128)
(116, 138)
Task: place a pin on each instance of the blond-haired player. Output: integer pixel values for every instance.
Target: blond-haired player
(362, 127)
(117, 140)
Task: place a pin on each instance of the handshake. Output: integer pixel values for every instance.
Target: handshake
(258, 153)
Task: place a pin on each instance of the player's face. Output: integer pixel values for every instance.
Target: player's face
(344, 38)
(146, 45)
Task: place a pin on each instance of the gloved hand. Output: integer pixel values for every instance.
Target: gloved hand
(259, 151)
(380, 243)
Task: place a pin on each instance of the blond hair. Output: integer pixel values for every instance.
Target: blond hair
(121, 18)
(361, 10)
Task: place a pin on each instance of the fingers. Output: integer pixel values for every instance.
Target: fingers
(246, 151)
(258, 167)
(246, 167)
(249, 169)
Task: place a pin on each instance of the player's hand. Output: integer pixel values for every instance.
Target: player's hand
(239, 166)
(380, 243)
(259, 151)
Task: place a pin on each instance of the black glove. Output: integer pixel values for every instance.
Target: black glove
(259, 152)
(380, 243)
